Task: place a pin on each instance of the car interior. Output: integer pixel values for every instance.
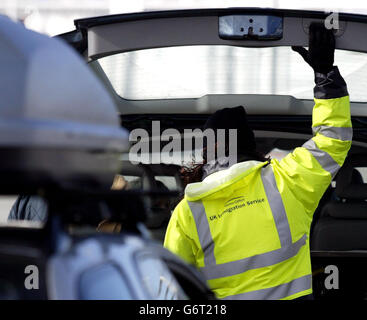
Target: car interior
(194, 63)
(279, 110)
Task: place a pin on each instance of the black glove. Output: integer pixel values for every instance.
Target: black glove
(320, 55)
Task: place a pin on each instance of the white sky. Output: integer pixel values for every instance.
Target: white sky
(56, 16)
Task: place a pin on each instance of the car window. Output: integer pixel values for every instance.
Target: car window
(168, 181)
(363, 172)
(194, 71)
(6, 203)
(133, 182)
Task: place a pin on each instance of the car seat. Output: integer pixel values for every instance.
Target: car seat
(343, 221)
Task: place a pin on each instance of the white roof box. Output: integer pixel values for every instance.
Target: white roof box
(57, 121)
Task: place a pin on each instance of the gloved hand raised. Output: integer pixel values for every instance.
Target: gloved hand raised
(320, 55)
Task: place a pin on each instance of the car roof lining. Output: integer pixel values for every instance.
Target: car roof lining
(175, 30)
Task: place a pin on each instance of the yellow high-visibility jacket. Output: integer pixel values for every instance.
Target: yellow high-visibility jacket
(247, 227)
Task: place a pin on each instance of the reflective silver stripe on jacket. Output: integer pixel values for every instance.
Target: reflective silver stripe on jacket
(258, 261)
(202, 226)
(276, 205)
(344, 134)
(211, 270)
(322, 157)
(278, 292)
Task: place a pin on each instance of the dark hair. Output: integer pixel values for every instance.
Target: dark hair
(194, 172)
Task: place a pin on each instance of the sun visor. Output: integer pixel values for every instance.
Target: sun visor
(57, 121)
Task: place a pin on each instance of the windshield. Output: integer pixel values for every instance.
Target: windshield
(195, 71)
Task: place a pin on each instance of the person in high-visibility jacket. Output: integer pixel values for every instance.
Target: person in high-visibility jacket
(246, 227)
